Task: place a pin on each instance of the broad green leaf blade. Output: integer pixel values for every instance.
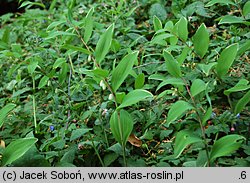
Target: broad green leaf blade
(59, 62)
(121, 125)
(55, 33)
(43, 82)
(160, 38)
(182, 29)
(122, 70)
(135, 96)
(205, 68)
(104, 43)
(176, 110)
(207, 116)
(229, 19)
(4, 112)
(246, 8)
(16, 149)
(240, 86)
(244, 47)
(172, 81)
(173, 66)
(181, 58)
(88, 25)
(78, 133)
(197, 86)
(226, 59)
(242, 103)
(183, 139)
(213, 2)
(225, 146)
(201, 40)
(157, 23)
(32, 65)
(139, 81)
(75, 48)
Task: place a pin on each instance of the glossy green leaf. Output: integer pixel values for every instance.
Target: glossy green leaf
(172, 81)
(226, 146)
(78, 133)
(157, 23)
(160, 38)
(59, 62)
(56, 33)
(177, 110)
(16, 149)
(240, 86)
(63, 73)
(182, 57)
(201, 40)
(197, 86)
(229, 19)
(43, 82)
(226, 59)
(88, 25)
(242, 103)
(5, 111)
(206, 68)
(121, 125)
(135, 96)
(173, 66)
(244, 47)
(32, 65)
(207, 116)
(183, 139)
(213, 2)
(104, 43)
(122, 70)
(75, 48)
(139, 81)
(182, 29)
(246, 8)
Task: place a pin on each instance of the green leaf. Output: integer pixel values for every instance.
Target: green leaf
(78, 133)
(242, 103)
(16, 149)
(54, 34)
(135, 96)
(176, 110)
(240, 86)
(182, 29)
(32, 65)
(183, 55)
(59, 62)
(63, 73)
(183, 139)
(88, 25)
(157, 23)
(121, 125)
(246, 8)
(229, 19)
(213, 2)
(197, 86)
(172, 81)
(226, 146)
(160, 39)
(43, 82)
(205, 68)
(207, 116)
(173, 66)
(76, 48)
(244, 48)
(226, 59)
(201, 40)
(122, 70)
(104, 43)
(5, 111)
(139, 81)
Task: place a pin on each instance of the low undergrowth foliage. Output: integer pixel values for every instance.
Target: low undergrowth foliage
(138, 83)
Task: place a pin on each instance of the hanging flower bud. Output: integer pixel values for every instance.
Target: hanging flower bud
(111, 96)
(102, 84)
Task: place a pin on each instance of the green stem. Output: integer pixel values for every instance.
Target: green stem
(34, 104)
(97, 153)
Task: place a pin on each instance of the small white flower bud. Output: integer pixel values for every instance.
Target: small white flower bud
(111, 96)
(102, 84)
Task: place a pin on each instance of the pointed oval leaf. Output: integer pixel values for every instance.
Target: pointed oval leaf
(173, 66)
(78, 133)
(225, 146)
(246, 8)
(135, 96)
(213, 2)
(172, 81)
(4, 112)
(121, 125)
(176, 110)
(59, 62)
(139, 81)
(43, 82)
(229, 19)
(122, 70)
(197, 86)
(16, 149)
(226, 59)
(32, 66)
(182, 29)
(157, 23)
(104, 43)
(201, 40)
(242, 103)
(183, 139)
(240, 86)
(88, 25)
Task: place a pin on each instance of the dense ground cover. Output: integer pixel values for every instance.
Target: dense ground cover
(125, 83)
